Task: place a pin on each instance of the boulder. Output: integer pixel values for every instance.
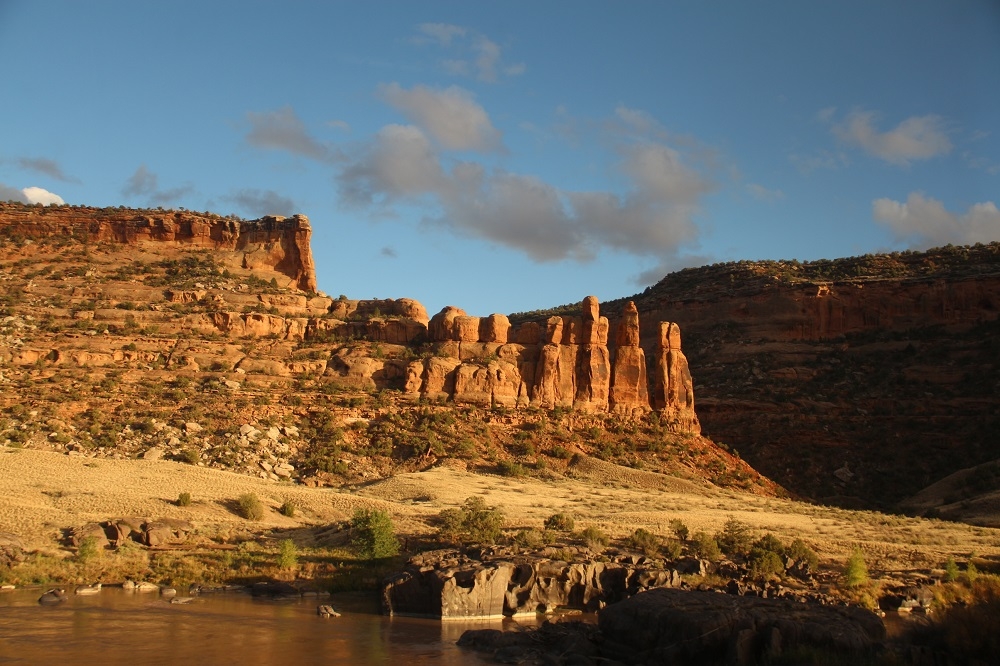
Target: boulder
(11, 550)
(694, 627)
(494, 329)
(442, 325)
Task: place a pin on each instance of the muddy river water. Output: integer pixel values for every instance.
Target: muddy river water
(118, 627)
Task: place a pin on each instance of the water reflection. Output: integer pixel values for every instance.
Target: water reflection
(117, 627)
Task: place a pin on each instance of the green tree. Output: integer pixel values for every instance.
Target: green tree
(856, 571)
(288, 554)
(374, 536)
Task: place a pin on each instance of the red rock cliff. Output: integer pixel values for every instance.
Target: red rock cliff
(273, 242)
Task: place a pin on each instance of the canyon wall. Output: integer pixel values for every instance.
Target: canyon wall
(272, 243)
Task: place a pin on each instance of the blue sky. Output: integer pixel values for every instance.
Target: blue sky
(512, 155)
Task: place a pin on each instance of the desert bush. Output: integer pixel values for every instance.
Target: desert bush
(706, 547)
(679, 528)
(645, 541)
(560, 522)
(250, 506)
(510, 468)
(88, 550)
(799, 551)
(288, 554)
(764, 564)
(595, 537)
(855, 571)
(190, 456)
(735, 538)
(184, 499)
(474, 521)
(529, 538)
(374, 536)
(950, 570)
(672, 549)
(288, 508)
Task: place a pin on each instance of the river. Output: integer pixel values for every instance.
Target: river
(118, 627)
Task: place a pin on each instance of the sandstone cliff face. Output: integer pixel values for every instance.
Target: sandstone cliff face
(565, 363)
(854, 390)
(272, 243)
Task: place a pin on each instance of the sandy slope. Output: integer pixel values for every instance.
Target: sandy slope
(43, 492)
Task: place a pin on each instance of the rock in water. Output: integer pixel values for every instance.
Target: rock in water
(672, 626)
(52, 597)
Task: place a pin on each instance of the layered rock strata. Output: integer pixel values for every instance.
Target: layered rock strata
(451, 585)
(271, 242)
(568, 362)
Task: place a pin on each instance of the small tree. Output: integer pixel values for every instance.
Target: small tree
(595, 537)
(706, 547)
(950, 570)
(645, 541)
(856, 571)
(475, 522)
(288, 555)
(735, 538)
(374, 536)
(679, 528)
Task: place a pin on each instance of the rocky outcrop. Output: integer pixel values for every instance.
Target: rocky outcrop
(11, 550)
(629, 389)
(452, 585)
(693, 627)
(272, 242)
(567, 362)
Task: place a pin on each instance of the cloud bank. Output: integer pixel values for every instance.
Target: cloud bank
(924, 222)
(284, 130)
(451, 116)
(916, 138)
(30, 195)
(651, 217)
(144, 184)
(262, 202)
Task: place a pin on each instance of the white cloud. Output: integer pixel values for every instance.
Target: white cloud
(399, 163)
(639, 122)
(916, 138)
(473, 53)
(764, 194)
(653, 216)
(39, 195)
(442, 33)
(284, 130)
(451, 116)
(924, 222)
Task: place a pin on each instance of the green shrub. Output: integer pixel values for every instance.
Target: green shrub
(510, 468)
(735, 538)
(374, 536)
(88, 550)
(288, 509)
(856, 571)
(474, 522)
(288, 554)
(950, 570)
(529, 538)
(595, 537)
(645, 541)
(672, 549)
(190, 456)
(764, 564)
(706, 547)
(679, 528)
(250, 506)
(971, 572)
(184, 499)
(560, 522)
(800, 552)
